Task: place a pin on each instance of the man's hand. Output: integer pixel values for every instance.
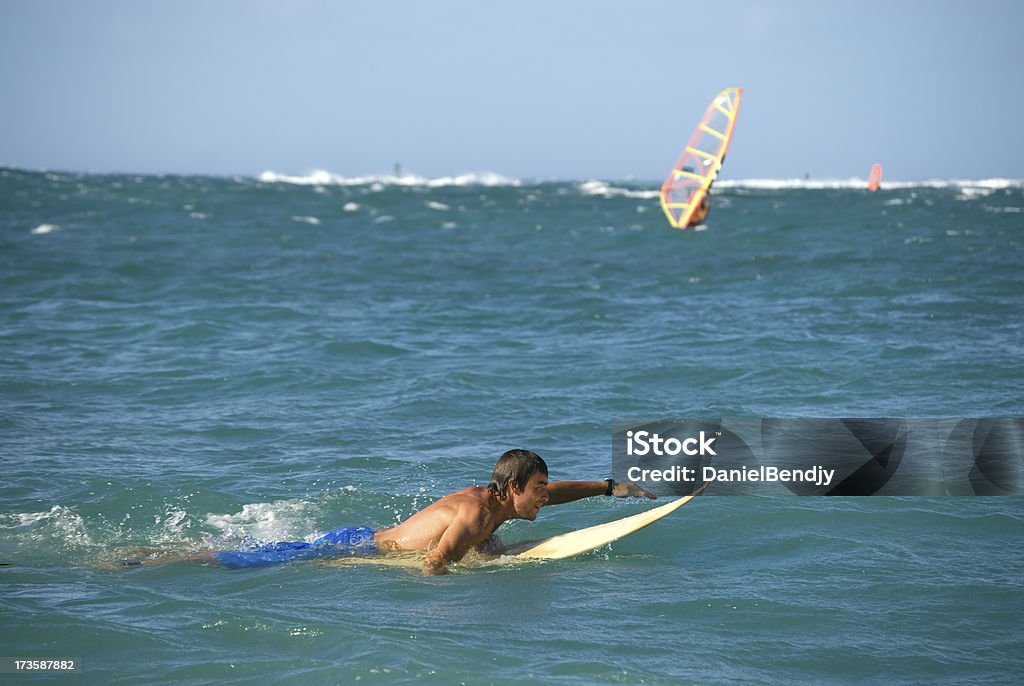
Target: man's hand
(434, 564)
(630, 490)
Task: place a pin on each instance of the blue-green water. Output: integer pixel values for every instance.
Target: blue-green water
(188, 360)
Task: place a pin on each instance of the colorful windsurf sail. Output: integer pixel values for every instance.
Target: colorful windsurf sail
(875, 178)
(701, 159)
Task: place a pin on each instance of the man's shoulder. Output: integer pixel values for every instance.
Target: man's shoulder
(471, 504)
(472, 494)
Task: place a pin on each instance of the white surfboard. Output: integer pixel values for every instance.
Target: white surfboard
(584, 540)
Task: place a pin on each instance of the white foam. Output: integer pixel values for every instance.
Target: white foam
(606, 190)
(278, 521)
(325, 178)
(482, 179)
(857, 183)
(437, 206)
(784, 184)
(173, 526)
(25, 519)
(59, 521)
(307, 220)
(315, 178)
(974, 192)
(43, 229)
(31, 518)
(969, 188)
(351, 207)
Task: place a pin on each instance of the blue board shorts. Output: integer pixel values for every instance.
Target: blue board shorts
(352, 540)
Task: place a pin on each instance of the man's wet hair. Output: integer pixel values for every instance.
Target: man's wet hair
(515, 467)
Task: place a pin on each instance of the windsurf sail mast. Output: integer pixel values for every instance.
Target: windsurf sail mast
(701, 159)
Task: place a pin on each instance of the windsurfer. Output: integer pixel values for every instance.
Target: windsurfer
(701, 213)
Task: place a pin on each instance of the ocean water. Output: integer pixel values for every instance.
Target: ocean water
(190, 360)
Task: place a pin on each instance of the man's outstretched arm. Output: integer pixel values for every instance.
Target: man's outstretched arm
(567, 491)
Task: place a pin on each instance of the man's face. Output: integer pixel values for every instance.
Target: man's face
(532, 497)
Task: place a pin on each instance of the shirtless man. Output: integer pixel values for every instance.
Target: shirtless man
(445, 530)
(701, 213)
(467, 519)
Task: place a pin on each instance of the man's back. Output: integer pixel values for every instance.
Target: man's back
(423, 530)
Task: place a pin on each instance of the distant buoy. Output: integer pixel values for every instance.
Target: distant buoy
(875, 178)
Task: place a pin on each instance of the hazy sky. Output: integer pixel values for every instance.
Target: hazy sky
(562, 89)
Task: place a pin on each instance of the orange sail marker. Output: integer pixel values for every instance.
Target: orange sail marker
(875, 178)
